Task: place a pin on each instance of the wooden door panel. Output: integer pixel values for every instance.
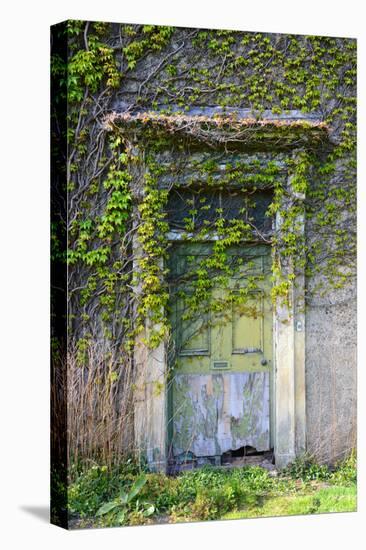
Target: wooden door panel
(193, 332)
(220, 396)
(247, 326)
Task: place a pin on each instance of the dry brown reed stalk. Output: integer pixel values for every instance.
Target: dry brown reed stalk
(327, 449)
(99, 405)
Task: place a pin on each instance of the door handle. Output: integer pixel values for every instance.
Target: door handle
(264, 361)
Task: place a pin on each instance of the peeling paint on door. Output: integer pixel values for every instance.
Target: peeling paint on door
(221, 384)
(218, 412)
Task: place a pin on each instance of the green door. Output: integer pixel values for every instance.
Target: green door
(221, 350)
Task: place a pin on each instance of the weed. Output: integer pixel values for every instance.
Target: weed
(306, 469)
(346, 471)
(119, 507)
(92, 486)
(125, 496)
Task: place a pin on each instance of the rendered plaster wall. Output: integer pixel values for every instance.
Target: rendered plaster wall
(331, 346)
(331, 376)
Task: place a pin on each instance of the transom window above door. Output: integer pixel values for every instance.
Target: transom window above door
(192, 209)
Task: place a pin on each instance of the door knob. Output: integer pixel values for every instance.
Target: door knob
(264, 361)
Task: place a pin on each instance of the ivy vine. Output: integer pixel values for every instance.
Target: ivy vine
(112, 209)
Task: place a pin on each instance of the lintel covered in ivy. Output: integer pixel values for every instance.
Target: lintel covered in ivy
(215, 125)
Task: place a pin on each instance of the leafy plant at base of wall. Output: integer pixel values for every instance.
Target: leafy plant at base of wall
(207, 493)
(118, 509)
(345, 472)
(307, 469)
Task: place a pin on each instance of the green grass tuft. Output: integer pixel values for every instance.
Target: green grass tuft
(211, 493)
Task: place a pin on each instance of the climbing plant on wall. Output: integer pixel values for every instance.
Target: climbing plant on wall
(136, 97)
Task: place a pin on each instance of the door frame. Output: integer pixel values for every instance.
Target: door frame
(150, 407)
(288, 401)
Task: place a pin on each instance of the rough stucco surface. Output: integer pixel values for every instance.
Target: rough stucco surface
(331, 377)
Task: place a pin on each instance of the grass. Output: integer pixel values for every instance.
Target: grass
(125, 495)
(326, 500)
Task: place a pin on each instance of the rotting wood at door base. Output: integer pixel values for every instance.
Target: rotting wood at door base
(240, 458)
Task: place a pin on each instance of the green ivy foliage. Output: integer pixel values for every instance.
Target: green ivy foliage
(185, 67)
